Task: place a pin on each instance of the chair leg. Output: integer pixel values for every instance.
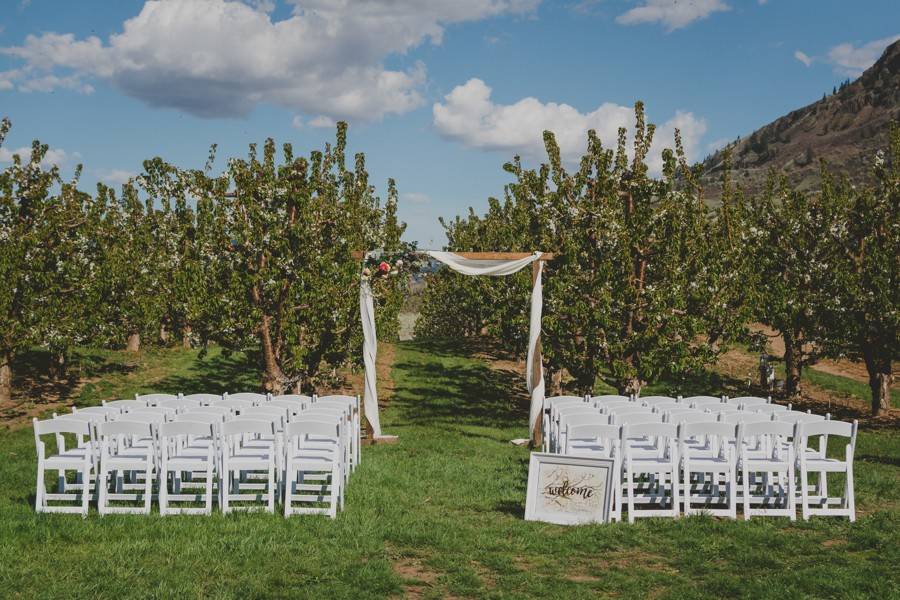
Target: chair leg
(148, 488)
(746, 493)
(791, 495)
(850, 494)
(102, 483)
(676, 504)
(629, 483)
(86, 490)
(40, 490)
(335, 491)
(209, 487)
(271, 494)
(289, 476)
(804, 493)
(224, 489)
(686, 482)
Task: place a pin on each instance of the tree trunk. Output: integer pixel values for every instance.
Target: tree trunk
(134, 342)
(5, 379)
(880, 379)
(630, 387)
(58, 366)
(792, 366)
(186, 337)
(273, 378)
(163, 334)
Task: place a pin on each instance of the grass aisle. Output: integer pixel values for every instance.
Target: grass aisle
(440, 514)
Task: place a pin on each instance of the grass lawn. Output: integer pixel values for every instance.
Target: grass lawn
(438, 515)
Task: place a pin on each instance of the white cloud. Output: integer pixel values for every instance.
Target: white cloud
(716, 145)
(468, 116)
(415, 198)
(849, 60)
(321, 121)
(114, 176)
(674, 14)
(220, 58)
(803, 57)
(54, 156)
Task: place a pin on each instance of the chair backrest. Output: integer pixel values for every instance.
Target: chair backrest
(236, 404)
(637, 418)
(203, 399)
(251, 397)
(631, 409)
(614, 404)
(692, 418)
(744, 417)
(749, 401)
(179, 404)
(185, 428)
(830, 428)
(354, 400)
(247, 426)
(766, 428)
(293, 407)
(768, 409)
(608, 398)
(312, 427)
(222, 411)
(579, 416)
(117, 428)
(664, 406)
(658, 430)
(796, 416)
(654, 400)
(297, 398)
(126, 405)
(702, 401)
(73, 426)
(154, 399)
(200, 417)
(88, 417)
(276, 414)
(105, 410)
(146, 416)
(724, 408)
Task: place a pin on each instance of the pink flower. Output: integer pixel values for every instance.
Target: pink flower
(384, 267)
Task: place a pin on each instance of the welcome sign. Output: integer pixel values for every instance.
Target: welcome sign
(569, 490)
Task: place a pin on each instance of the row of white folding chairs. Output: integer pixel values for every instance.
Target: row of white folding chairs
(243, 400)
(762, 453)
(214, 448)
(611, 402)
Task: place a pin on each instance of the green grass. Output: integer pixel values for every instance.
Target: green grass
(440, 514)
(846, 386)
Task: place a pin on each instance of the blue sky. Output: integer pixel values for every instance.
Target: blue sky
(438, 94)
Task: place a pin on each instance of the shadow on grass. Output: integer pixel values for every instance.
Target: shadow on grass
(216, 374)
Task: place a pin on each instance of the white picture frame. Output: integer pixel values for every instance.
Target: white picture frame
(569, 490)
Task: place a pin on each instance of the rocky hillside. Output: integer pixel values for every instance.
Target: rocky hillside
(844, 128)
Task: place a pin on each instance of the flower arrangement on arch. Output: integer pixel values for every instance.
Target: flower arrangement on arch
(384, 265)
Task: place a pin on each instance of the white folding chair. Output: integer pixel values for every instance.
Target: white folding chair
(222, 411)
(339, 414)
(252, 397)
(179, 404)
(301, 398)
(155, 399)
(661, 467)
(707, 448)
(118, 455)
(305, 457)
(203, 399)
(769, 409)
(816, 461)
(241, 457)
(602, 441)
(109, 411)
(78, 459)
(186, 447)
(764, 450)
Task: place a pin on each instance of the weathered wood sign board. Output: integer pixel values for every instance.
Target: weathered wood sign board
(569, 490)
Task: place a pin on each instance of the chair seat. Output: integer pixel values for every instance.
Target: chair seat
(764, 464)
(73, 457)
(649, 464)
(699, 462)
(819, 465)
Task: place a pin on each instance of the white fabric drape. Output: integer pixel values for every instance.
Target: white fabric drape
(370, 348)
(466, 266)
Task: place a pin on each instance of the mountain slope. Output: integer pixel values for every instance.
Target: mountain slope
(845, 129)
